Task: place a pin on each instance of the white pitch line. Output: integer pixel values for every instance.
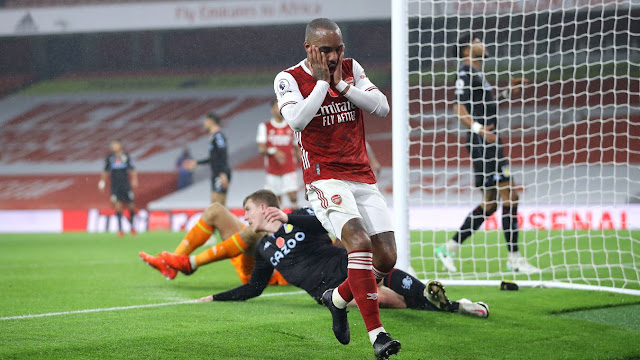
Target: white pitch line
(118, 308)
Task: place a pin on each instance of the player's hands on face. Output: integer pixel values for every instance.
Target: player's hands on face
(517, 84)
(205, 299)
(488, 136)
(280, 157)
(274, 214)
(224, 181)
(318, 64)
(337, 73)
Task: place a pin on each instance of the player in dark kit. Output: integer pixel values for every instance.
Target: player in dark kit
(123, 179)
(299, 247)
(217, 160)
(476, 107)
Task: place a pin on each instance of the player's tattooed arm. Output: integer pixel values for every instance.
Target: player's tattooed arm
(317, 62)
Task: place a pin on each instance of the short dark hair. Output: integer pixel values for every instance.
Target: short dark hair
(213, 116)
(464, 41)
(319, 23)
(263, 197)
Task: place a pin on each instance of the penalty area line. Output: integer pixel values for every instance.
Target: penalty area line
(131, 307)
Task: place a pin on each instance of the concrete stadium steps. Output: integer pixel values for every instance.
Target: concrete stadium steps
(48, 139)
(54, 146)
(70, 129)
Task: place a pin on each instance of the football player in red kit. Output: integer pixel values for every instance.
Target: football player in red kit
(322, 98)
(275, 141)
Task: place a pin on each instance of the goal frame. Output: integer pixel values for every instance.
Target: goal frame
(400, 149)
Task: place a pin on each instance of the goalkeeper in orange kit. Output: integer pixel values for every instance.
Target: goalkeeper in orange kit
(237, 246)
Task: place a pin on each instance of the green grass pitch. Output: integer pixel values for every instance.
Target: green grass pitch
(49, 273)
(603, 258)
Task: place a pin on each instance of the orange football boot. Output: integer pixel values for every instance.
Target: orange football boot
(157, 263)
(177, 262)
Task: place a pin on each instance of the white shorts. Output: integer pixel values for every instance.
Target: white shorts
(282, 184)
(337, 201)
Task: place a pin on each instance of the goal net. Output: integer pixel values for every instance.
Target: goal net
(572, 139)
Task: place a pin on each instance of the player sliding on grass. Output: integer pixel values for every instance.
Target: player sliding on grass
(298, 246)
(239, 240)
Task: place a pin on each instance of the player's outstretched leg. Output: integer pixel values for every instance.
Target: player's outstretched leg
(215, 216)
(158, 264)
(227, 249)
(435, 294)
(417, 295)
(340, 325)
(515, 261)
(446, 253)
(467, 307)
(197, 235)
(431, 296)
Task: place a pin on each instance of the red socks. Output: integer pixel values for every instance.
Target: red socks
(362, 286)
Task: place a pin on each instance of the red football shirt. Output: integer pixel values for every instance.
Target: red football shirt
(333, 143)
(278, 136)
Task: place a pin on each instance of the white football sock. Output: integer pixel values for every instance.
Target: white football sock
(373, 334)
(338, 301)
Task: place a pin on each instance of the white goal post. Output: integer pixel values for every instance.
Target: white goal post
(572, 138)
